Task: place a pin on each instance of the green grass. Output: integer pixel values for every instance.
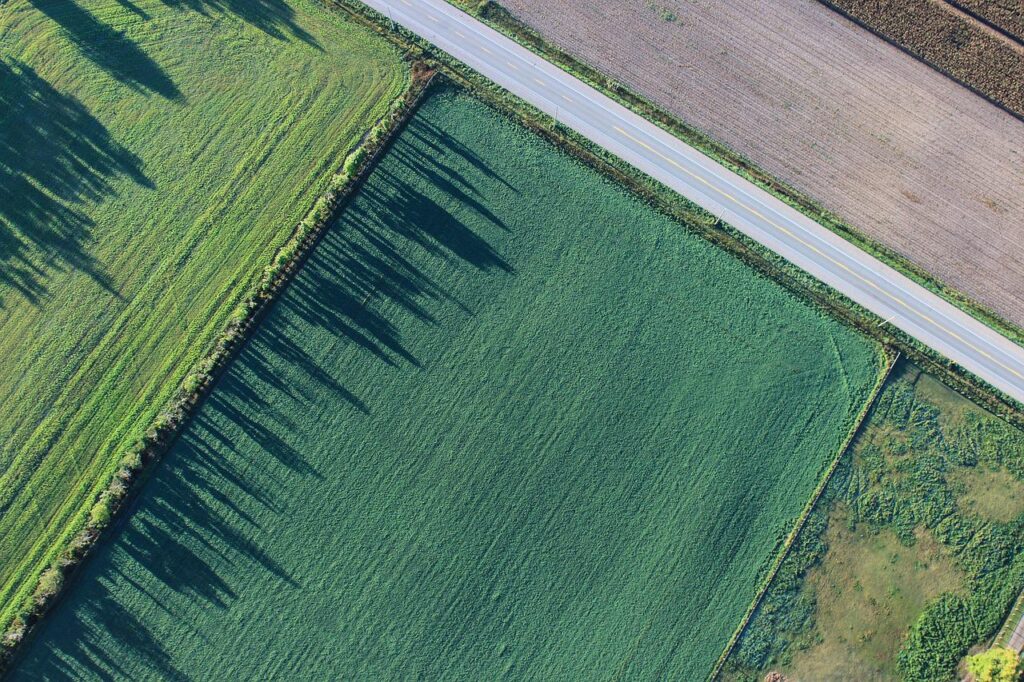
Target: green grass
(915, 553)
(992, 493)
(507, 421)
(153, 156)
(869, 589)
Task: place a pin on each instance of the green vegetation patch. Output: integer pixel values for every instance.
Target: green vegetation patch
(913, 555)
(507, 421)
(153, 156)
(868, 589)
(992, 493)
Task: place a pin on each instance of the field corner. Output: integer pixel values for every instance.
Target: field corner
(492, 13)
(890, 358)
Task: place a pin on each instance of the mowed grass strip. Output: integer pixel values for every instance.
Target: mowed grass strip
(508, 420)
(153, 156)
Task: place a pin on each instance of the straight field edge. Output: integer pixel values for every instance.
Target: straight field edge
(1002, 637)
(909, 50)
(137, 465)
(981, 18)
(756, 255)
(893, 343)
(501, 20)
(889, 362)
(426, 61)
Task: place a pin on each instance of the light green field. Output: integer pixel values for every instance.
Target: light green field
(507, 422)
(153, 156)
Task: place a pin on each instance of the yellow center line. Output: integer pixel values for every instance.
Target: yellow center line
(818, 251)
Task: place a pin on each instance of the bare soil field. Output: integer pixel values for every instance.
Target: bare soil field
(903, 154)
(950, 40)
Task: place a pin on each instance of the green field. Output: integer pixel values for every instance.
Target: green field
(153, 156)
(914, 555)
(508, 420)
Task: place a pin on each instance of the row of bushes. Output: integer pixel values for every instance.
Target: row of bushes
(902, 482)
(948, 40)
(164, 430)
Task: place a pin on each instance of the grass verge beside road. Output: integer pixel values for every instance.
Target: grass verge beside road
(500, 19)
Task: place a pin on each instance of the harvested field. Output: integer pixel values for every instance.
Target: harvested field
(154, 156)
(903, 154)
(1006, 15)
(951, 41)
(507, 421)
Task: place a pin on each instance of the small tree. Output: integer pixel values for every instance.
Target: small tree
(997, 664)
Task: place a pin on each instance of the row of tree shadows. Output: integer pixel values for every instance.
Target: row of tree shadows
(360, 281)
(56, 156)
(126, 62)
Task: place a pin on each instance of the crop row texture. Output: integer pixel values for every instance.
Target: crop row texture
(960, 47)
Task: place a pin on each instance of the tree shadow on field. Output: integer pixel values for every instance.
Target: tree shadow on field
(79, 657)
(108, 48)
(276, 18)
(193, 520)
(54, 156)
(203, 523)
(368, 264)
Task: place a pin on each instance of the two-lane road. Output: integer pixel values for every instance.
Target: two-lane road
(738, 202)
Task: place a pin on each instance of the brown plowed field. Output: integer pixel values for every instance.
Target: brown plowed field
(899, 151)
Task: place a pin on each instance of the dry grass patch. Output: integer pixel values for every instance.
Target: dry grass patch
(993, 494)
(869, 589)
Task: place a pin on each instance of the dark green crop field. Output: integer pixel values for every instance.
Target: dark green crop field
(507, 421)
(154, 154)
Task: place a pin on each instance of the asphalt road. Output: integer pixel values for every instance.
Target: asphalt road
(797, 238)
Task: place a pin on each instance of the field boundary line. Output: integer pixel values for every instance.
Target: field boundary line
(935, 66)
(493, 14)
(982, 19)
(819, 490)
(137, 466)
(1013, 618)
(692, 217)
